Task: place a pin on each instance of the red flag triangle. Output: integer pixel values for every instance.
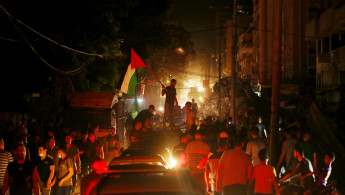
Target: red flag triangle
(136, 61)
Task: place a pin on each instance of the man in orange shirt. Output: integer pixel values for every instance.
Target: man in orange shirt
(264, 176)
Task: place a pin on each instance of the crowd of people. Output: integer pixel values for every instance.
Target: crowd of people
(50, 162)
(222, 158)
(223, 161)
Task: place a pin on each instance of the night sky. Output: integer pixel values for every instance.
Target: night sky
(23, 72)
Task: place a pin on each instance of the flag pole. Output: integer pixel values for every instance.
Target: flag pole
(155, 76)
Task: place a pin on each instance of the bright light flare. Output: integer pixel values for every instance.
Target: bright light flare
(201, 99)
(172, 161)
(161, 109)
(140, 100)
(201, 89)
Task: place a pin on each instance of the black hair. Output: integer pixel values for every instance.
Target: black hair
(151, 107)
(299, 149)
(19, 145)
(238, 140)
(189, 103)
(44, 146)
(255, 131)
(63, 148)
(262, 154)
(173, 80)
(331, 155)
(182, 135)
(222, 142)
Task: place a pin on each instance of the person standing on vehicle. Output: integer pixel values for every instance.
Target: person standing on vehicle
(45, 168)
(20, 176)
(63, 180)
(190, 118)
(112, 146)
(169, 108)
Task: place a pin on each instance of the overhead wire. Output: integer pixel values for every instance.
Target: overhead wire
(45, 37)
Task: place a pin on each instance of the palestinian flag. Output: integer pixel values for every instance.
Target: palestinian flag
(130, 81)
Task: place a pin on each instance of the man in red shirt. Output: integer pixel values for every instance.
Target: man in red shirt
(235, 169)
(264, 176)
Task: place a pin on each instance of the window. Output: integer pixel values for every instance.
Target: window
(335, 41)
(325, 45)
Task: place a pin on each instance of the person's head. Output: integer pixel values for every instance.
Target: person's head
(73, 133)
(92, 136)
(287, 133)
(198, 136)
(254, 132)
(20, 151)
(99, 166)
(223, 134)
(188, 105)
(306, 136)
(84, 135)
(50, 133)
(51, 142)
(329, 158)
(260, 119)
(68, 139)
(238, 141)
(222, 143)
(183, 138)
(19, 140)
(173, 82)
(10, 126)
(263, 155)
(298, 152)
(112, 131)
(151, 108)
(62, 152)
(193, 100)
(36, 138)
(42, 150)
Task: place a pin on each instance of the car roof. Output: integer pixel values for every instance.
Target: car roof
(149, 182)
(138, 157)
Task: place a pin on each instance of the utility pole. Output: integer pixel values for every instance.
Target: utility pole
(233, 64)
(276, 81)
(220, 77)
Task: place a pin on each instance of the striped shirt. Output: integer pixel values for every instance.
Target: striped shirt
(5, 159)
(196, 151)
